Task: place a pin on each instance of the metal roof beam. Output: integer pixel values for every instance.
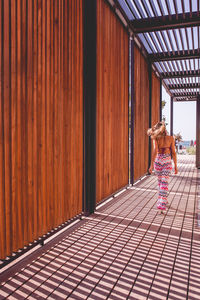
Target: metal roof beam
(183, 74)
(184, 99)
(189, 94)
(177, 55)
(184, 86)
(165, 22)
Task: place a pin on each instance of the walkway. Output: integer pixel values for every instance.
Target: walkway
(125, 250)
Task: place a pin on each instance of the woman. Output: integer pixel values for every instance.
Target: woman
(163, 148)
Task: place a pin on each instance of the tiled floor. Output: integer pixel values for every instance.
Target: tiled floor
(125, 250)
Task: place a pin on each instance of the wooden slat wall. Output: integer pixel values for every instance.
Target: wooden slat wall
(112, 103)
(41, 118)
(141, 114)
(155, 100)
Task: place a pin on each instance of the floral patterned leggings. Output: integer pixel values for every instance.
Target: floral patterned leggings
(163, 168)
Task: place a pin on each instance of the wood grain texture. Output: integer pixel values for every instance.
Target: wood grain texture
(112, 103)
(155, 101)
(141, 114)
(41, 118)
(2, 143)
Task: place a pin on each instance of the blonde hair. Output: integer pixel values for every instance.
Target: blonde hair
(159, 129)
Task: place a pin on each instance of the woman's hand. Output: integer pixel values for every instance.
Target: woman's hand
(150, 169)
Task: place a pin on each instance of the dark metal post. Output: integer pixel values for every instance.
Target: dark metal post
(160, 99)
(198, 133)
(172, 117)
(89, 99)
(150, 107)
(132, 112)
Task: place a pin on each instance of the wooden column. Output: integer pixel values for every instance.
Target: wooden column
(171, 117)
(132, 114)
(89, 95)
(198, 134)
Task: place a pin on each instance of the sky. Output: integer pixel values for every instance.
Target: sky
(184, 117)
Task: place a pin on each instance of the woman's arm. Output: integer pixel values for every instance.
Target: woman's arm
(153, 156)
(173, 149)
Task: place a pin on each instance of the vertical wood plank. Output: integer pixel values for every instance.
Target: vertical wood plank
(68, 106)
(51, 117)
(48, 115)
(61, 110)
(56, 133)
(59, 115)
(24, 140)
(65, 91)
(80, 117)
(20, 220)
(43, 116)
(7, 128)
(71, 95)
(39, 119)
(79, 110)
(14, 123)
(72, 79)
(2, 162)
(76, 93)
(30, 208)
(98, 109)
(35, 113)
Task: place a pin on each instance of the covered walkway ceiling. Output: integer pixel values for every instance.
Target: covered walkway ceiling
(169, 33)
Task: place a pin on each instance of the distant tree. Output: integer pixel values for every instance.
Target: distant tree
(178, 137)
(163, 103)
(164, 120)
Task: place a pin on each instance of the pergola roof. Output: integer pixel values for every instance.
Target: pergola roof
(169, 33)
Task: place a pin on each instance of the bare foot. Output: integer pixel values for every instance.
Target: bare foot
(161, 212)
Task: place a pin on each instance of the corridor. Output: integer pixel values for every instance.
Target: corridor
(125, 250)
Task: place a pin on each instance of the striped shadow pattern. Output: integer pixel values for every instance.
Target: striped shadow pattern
(125, 250)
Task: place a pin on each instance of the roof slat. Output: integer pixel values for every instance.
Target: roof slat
(183, 74)
(176, 56)
(189, 94)
(166, 22)
(146, 8)
(183, 8)
(153, 8)
(184, 86)
(168, 8)
(179, 99)
(139, 8)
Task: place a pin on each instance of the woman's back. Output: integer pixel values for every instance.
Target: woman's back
(164, 141)
(165, 144)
